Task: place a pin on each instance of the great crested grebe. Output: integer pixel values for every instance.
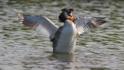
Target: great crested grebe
(63, 38)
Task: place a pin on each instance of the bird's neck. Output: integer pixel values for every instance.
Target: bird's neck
(69, 22)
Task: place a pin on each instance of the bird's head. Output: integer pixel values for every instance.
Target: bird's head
(66, 13)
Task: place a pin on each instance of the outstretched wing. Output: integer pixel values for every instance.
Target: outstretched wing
(82, 24)
(40, 23)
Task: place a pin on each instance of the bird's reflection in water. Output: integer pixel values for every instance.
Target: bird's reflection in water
(64, 57)
(64, 61)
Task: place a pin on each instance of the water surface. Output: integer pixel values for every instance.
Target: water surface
(23, 49)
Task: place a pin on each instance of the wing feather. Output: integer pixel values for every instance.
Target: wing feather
(41, 24)
(82, 24)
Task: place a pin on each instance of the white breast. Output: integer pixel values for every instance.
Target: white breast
(67, 39)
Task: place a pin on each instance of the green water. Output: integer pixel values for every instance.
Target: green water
(100, 49)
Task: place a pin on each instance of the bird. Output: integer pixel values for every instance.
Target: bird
(63, 38)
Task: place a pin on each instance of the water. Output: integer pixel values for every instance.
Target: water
(22, 49)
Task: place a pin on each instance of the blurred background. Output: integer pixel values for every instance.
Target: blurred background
(23, 49)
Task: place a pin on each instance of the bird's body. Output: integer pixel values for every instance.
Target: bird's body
(65, 37)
